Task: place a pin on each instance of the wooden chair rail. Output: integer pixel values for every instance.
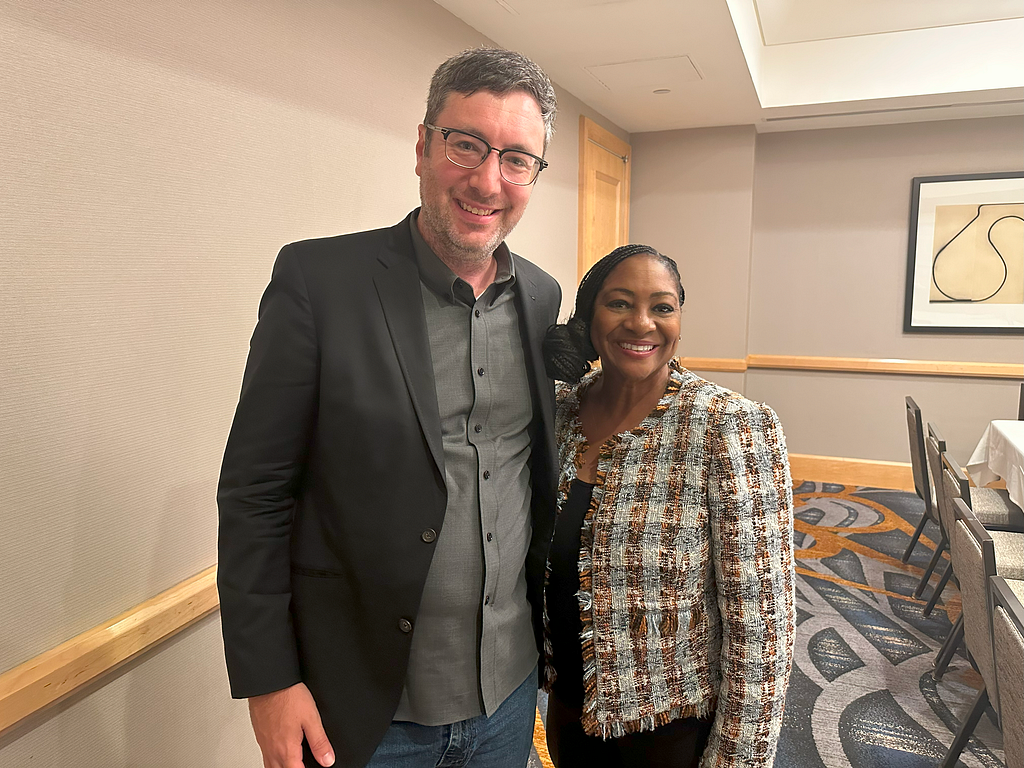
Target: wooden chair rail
(858, 365)
(46, 679)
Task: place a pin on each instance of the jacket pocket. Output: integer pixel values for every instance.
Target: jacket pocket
(317, 573)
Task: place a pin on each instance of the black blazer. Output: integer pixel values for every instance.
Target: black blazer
(334, 470)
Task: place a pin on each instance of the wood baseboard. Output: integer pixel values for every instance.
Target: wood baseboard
(836, 469)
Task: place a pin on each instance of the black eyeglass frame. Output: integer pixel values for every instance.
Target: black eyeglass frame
(446, 132)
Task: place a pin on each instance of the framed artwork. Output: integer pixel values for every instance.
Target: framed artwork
(965, 262)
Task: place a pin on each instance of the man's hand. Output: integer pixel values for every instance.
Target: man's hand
(279, 720)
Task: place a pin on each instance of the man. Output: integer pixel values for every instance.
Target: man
(387, 490)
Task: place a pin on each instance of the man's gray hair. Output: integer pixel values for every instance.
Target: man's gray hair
(498, 71)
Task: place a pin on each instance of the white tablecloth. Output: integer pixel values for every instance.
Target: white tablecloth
(1000, 453)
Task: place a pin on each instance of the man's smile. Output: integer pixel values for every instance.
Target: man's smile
(475, 210)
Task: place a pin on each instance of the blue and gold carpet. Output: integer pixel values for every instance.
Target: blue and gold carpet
(862, 693)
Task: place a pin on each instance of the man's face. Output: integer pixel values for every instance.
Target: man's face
(467, 212)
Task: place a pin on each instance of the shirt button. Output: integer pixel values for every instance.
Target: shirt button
(429, 535)
(478, 428)
(476, 312)
(489, 537)
(487, 600)
(405, 625)
(479, 371)
(487, 474)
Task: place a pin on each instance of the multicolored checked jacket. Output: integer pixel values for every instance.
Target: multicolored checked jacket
(686, 569)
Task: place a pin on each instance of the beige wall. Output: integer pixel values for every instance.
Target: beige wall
(548, 231)
(831, 212)
(691, 199)
(816, 266)
(155, 157)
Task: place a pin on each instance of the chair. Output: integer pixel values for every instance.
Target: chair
(1009, 556)
(992, 506)
(976, 552)
(922, 478)
(1008, 645)
(935, 446)
(1020, 404)
(990, 510)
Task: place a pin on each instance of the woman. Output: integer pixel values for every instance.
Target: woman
(669, 611)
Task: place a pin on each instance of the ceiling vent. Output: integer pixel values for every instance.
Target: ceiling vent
(891, 110)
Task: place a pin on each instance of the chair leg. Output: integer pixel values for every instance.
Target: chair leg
(956, 634)
(931, 567)
(915, 537)
(938, 591)
(966, 730)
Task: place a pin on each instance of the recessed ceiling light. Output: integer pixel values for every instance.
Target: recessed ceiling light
(661, 91)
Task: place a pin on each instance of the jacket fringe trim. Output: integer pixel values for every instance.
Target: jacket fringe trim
(618, 729)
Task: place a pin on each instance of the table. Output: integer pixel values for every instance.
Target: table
(1000, 453)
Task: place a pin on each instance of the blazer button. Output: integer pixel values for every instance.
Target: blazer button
(429, 535)
(405, 625)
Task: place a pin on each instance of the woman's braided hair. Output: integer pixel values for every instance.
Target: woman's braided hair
(568, 350)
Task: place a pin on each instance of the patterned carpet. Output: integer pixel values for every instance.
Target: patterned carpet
(862, 694)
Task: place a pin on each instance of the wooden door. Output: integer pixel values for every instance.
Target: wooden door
(604, 193)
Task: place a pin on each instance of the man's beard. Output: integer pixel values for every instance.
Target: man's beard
(441, 229)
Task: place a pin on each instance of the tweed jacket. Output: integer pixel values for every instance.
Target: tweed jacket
(686, 569)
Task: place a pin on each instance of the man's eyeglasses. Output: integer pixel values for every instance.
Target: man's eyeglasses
(468, 151)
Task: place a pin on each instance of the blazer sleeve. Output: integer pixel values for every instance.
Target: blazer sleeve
(259, 480)
(751, 513)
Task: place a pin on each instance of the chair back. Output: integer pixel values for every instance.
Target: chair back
(934, 447)
(955, 485)
(1008, 644)
(918, 462)
(974, 558)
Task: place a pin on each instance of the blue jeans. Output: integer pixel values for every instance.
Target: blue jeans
(502, 740)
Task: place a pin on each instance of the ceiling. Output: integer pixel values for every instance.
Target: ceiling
(652, 65)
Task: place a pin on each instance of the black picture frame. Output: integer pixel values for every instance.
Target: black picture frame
(953, 314)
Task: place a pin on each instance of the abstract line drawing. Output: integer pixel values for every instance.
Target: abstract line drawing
(965, 255)
(975, 264)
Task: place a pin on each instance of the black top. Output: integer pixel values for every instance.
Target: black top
(563, 608)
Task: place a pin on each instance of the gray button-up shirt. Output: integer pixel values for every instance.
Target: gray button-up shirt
(473, 641)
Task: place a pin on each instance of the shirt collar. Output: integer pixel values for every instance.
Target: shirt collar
(439, 278)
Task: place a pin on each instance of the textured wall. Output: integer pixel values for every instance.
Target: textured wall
(831, 216)
(795, 244)
(828, 269)
(691, 199)
(155, 156)
(169, 709)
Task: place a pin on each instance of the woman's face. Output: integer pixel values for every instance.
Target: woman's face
(636, 318)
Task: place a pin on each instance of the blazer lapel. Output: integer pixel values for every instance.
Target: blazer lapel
(397, 282)
(535, 324)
